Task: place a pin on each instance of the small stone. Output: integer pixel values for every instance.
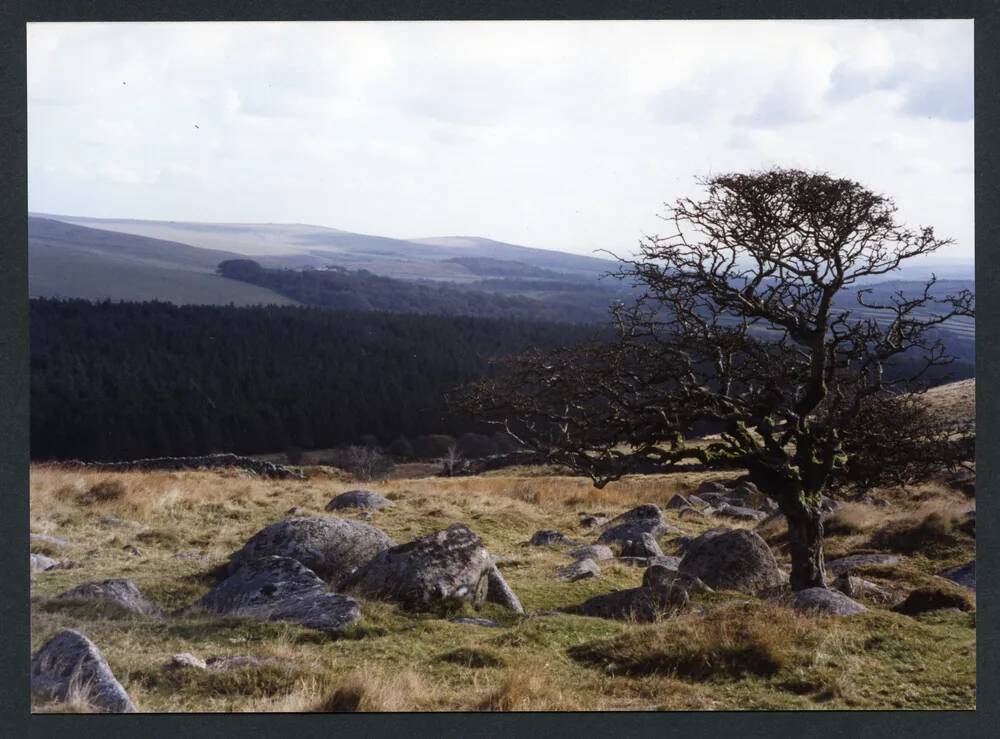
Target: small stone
(856, 587)
(548, 537)
(844, 565)
(678, 501)
(472, 621)
(964, 575)
(582, 569)
(41, 563)
(123, 593)
(596, 552)
(821, 600)
(358, 499)
(184, 660)
(644, 546)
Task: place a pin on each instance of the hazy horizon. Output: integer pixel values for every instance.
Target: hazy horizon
(566, 136)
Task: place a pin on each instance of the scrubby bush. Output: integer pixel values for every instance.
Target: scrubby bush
(364, 462)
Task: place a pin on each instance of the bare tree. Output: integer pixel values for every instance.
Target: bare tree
(452, 458)
(741, 323)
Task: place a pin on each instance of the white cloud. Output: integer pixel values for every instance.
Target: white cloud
(564, 135)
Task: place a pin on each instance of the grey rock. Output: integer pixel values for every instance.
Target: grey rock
(844, 565)
(596, 552)
(184, 660)
(821, 600)
(631, 525)
(358, 499)
(694, 500)
(333, 548)
(451, 565)
(678, 501)
(40, 563)
(69, 666)
(548, 537)
(856, 587)
(471, 621)
(499, 592)
(714, 499)
(658, 576)
(964, 575)
(123, 593)
(633, 561)
(712, 487)
(195, 556)
(640, 604)
(581, 569)
(644, 546)
(592, 522)
(664, 560)
(46, 539)
(684, 513)
(281, 589)
(739, 513)
(735, 560)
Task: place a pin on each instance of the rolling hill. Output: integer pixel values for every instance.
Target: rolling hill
(299, 245)
(66, 260)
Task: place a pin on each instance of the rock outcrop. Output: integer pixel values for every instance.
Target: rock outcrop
(964, 575)
(844, 565)
(821, 600)
(333, 548)
(358, 499)
(734, 560)
(69, 667)
(281, 589)
(120, 592)
(581, 569)
(448, 566)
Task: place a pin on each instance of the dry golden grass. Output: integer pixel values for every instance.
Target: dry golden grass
(400, 661)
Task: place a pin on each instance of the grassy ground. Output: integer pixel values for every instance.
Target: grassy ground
(729, 652)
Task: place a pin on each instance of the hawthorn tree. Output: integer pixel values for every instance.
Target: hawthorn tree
(740, 326)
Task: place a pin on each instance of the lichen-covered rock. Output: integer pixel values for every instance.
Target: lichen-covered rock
(70, 667)
(333, 548)
(856, 587)
(642, 604)
(184, 660)
(581, 569)
(40, 563)
(451, 565)
(821, 600)
(549, 537)
(735, 560)
(964, 575)
(54, 541)
(678, 501)
(122, 593)
(631, 525)
(499, 592)
(644, 546)
(358, 499)
(281, 589)
(844, 565)
(596, 552)
(739, 513)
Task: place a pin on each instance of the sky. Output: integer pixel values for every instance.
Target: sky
(561, 135)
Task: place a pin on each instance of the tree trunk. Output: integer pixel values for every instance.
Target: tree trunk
(805, 545)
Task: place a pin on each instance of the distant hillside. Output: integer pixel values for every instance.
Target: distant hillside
(65, 260)
(298, 245)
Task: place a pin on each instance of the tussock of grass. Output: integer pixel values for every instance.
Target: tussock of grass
(728, 643)
(851, 518)
(257, 681)
(364, 691)
(921, 532)
(473, 657)
(528, 688)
